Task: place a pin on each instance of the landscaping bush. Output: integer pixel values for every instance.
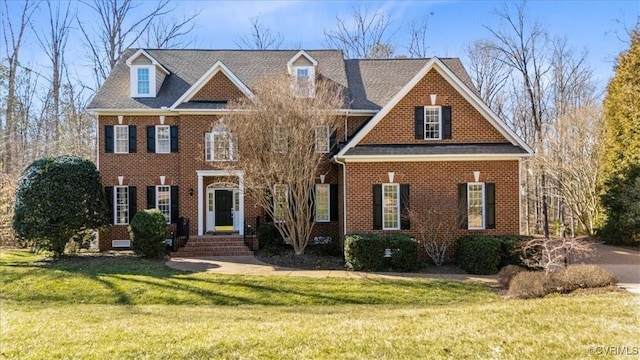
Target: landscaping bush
(366, 252)
(507, 273)
(510, 246)
(268, 235)
(533, 284)
(478, 254)
(529, 285)
(148, 231)
(584, 276)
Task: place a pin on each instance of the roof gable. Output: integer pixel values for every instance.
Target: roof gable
(218, 67)
(468, 94)
(131, 60)
(296, 59)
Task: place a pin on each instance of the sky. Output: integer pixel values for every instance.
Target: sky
(599, 27)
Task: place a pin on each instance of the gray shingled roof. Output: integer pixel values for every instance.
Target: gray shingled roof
(373, 82)
(370, 83)
(441, 149)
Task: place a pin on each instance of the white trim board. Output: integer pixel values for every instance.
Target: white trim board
(452, 79)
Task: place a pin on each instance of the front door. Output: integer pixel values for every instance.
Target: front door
(223, 210)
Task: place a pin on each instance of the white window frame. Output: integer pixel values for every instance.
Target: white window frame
(323, 131)
(167, 141)
(397, 206)
(482, 206)
(325, 217)
(116, 149)
(165, 209)
(311, 82)
(135, 81)
(439, 108)
(210, 146)
(280, 204)
(117, 207)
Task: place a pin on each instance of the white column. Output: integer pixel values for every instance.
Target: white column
(200, 206)
(241, 190)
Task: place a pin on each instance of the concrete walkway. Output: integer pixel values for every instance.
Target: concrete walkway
(623, 262)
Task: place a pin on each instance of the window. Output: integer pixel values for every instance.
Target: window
(390, 207)
(322, 139)
(163, 201)
(220, 146)
(121, 202)
(303, 85)
(475, 204)
(280, 140)
(280, 201)
(432, 122)
(121, 139)
(322, 203)
(143, 81)
(163, 142)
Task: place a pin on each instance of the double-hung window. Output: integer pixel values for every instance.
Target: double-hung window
(121, 139)
(390, 206)
(163, 140)
(121, 203)
(322, 139)
(322, 200)
(303, 82)
(280, 201)
(143, 81)
(475, 206)
(432, 122)
(220, 146)
(163, 201)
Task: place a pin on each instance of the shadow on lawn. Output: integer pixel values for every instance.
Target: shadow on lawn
(129, 280)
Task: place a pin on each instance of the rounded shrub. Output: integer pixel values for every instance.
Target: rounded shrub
(529, 285)
(479, 255)
(584, 276)
(507, 273)
(268, 235)
(148, 231)
(365, 252)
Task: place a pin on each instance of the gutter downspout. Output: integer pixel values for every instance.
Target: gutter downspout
(344, 196)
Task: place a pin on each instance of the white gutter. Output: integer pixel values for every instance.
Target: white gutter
(433, 157)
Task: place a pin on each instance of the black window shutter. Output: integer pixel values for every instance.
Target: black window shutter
(419, 122)
(267, 214)
(133, 146)
(446, 122)
(490, 199)
(151, 197)
(133, 202)
(377, 207)
(312, 205)
(405, 223)
(151, 139)
(108, 138)
(333, 202)
(173, 130)
(175, 204)
(462, 206)
(108, 193)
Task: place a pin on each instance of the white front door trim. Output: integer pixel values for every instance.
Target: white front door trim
(202, 193)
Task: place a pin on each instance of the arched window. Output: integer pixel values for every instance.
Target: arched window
(220, 144)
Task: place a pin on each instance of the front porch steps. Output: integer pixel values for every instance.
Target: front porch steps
(213, 245)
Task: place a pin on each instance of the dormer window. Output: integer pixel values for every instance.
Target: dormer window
(302, 68)
(146, 75)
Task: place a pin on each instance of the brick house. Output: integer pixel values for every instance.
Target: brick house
(410, 128)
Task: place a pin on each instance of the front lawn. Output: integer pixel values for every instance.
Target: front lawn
(120, 307)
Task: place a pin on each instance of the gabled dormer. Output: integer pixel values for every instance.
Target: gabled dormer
(302, 68)
(146, 75)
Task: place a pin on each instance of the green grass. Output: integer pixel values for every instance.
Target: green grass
(120, 307)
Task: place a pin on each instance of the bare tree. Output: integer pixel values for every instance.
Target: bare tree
(418, 44)
(170, 34)
(276, 134)
(436, 225)
(260, 37)
(488, 74)
(553, 254)
(114, 32)
(13, 33)
(364, 36)
(54, 47)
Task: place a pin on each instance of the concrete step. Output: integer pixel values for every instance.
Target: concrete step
(212, 253)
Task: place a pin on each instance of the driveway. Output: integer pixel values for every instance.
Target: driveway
(624, 262)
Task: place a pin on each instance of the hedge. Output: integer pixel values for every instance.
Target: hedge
(148, 231)
(365, 252)
(486, 254)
